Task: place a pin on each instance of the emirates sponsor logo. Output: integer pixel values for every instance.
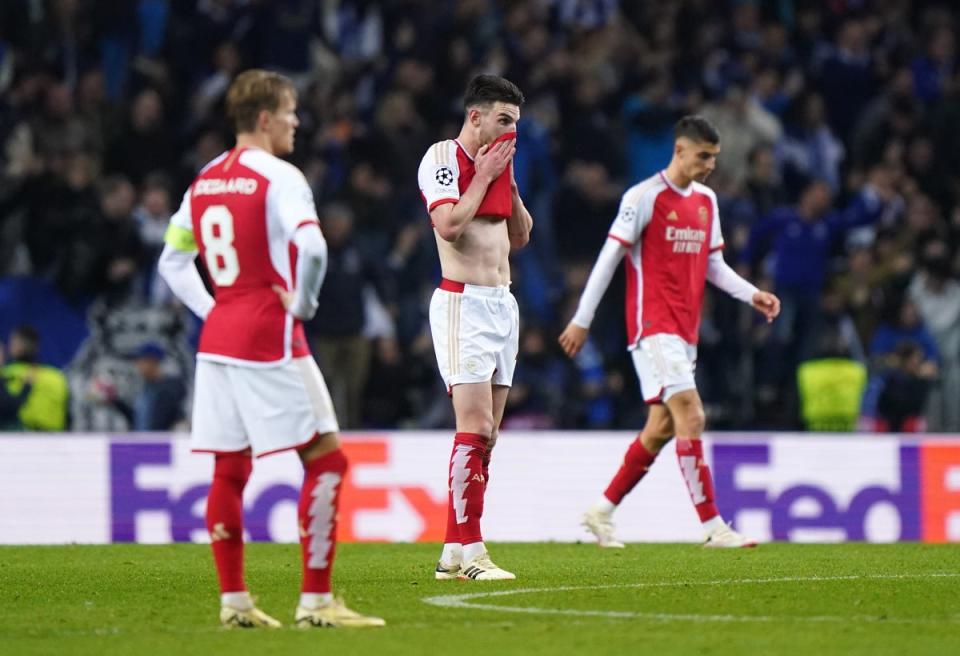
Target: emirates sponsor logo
(686, 240)
(217, 186)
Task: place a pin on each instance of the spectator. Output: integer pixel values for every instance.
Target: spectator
(11, 403)
(45, 408)
(763, 186)
(801, 240)
(831, 387)
(145, 144)
(336, 334)
(159, 404)
(906, 381)
(809, 149)
(744, 124)
(937, 296)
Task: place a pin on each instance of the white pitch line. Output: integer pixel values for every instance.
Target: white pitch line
(465, 601)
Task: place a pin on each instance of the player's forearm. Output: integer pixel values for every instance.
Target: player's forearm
(177, 268)
(452, 224)
(723, 277)
(519, 224)
(311, 270)
(603, 270)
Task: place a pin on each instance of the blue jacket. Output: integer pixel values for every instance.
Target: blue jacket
(801, 249)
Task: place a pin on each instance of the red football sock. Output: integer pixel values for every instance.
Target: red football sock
(467, 485)
(486, 469)
(225, 517)
(317, 512)
(452, 535)
(697, 475)
(635, 465)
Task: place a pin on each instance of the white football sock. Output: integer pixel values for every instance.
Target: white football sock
(452, 553)
(713, 524)
(315, 600)
(605, 505)
(471, 551)
(238, 600)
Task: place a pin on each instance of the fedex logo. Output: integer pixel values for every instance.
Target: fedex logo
(807, 489)
(143, 485)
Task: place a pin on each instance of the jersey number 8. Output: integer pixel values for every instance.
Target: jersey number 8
(216, 231)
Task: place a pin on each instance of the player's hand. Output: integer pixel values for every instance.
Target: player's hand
(490, 162)
(286, 298)
(572, 339)
(766, 304)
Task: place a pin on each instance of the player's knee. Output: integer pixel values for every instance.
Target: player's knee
(234, 468)
(694, 421)
(654, 442)
(480, 423)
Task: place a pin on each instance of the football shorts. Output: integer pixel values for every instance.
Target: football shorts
(267, 409)
(665, 365)
(476, 333)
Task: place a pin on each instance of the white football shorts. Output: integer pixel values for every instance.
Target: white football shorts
(665, 365)
(476, 333)
(267, 409)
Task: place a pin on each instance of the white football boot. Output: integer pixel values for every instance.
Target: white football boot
(481, 568)
(600, 523)
(251, 618)
(334, 615)
(726, 538)
(447, 571)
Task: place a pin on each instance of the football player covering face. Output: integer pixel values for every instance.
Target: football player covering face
(478, 219)
(492, 121)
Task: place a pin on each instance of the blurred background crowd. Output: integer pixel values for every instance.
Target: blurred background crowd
(839, 187)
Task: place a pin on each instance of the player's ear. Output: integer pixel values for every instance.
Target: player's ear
(263, 119)
(474, 116)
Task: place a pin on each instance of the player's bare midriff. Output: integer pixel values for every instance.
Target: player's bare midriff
(480, 256)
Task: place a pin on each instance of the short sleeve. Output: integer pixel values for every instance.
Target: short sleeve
(439, 175)
(632, 217)
(291, 200)
(179, 233)
(716, 236)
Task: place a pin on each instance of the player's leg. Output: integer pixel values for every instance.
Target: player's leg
(500, 393)
(286, 408)
(654, 376)
(473, 407)
(689, 420)
(637, 460)
(324, 467)
(218, 428)
(476, 562)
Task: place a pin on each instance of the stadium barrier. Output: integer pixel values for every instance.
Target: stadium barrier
(150, 488)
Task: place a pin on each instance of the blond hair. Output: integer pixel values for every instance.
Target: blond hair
(252, 92)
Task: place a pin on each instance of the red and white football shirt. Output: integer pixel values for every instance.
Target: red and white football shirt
(446, 172)
(670, 233)
(243, 210)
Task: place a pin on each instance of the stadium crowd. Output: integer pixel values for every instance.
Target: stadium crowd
(838, 181)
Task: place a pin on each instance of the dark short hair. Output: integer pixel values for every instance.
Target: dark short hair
(696, 128)
(31, 338)
(488, 89)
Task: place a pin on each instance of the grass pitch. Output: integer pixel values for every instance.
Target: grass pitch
(569, 598)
